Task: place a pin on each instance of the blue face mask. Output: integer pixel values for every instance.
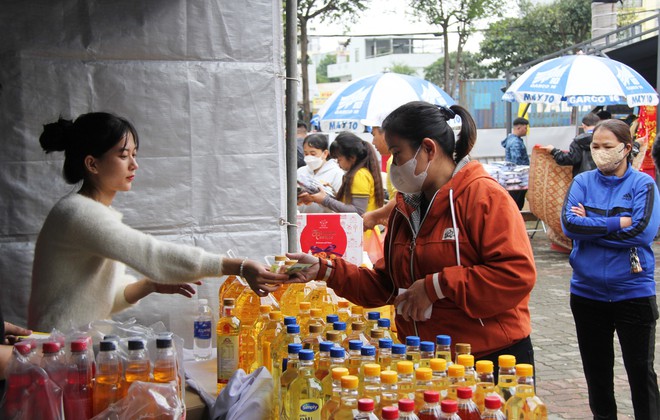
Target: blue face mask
(403, 176)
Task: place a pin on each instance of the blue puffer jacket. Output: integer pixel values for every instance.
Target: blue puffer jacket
(601, 249)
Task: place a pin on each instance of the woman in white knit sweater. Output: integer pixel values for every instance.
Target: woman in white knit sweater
(84, 247)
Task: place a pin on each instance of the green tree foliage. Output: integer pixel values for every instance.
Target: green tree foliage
(470, 68)
(401, 68)
(542, 29)
(322, 69)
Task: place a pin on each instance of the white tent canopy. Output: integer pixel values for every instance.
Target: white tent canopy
(200, 80)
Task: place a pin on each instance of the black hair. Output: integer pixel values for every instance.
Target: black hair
(620, 130)
(590, 119)
(349, 145)
(301, 124)
(604, 115)
(90, 134)
(418, 120)
(520, 121)
(317, 141)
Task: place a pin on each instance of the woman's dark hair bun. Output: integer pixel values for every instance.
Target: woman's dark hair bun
(56, 135)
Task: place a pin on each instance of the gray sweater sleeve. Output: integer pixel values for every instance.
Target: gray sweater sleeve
(358, 205)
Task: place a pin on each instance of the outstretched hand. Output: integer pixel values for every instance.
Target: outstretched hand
(412, 303)
(307, 274)
(261, 280)
(183, 289)
(12, 332)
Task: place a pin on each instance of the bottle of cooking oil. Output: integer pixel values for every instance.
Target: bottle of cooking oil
(337, 360)
(375, 335)
(266, 337)
(334, 336)
(443, 348)
(235, 286)
(440, 381)
(485, 383)
(357, 315)
(303, 318)
(278, 265)
(426, 353)
(280, 342)
(525, 404)
(329, 323)
(423, 382)
(247, 311)
(456, 377)
(398, 354)
(462, 348)
(258, 326)
(384, 354)
(369, 387)
(467, 360)
(305, 395)
(290, 301)
(290, 369)
(226, 284)
(108, 380)
(412, 350)
(332, 391)
(341, 327)
(349, 398)
(357, 333)
(405, 381)
(138, 364)
(280, 351)
(368, 354)
(389, 391)
(354, 359)
(322, 360)
(343, 310)
(506, 382)
(385, 325)
(314, 339)
(320, 298)
(316, 317)
(228, 332)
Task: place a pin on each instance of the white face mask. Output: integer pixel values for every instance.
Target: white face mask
(403, 176)
(607, 160)
(314, 162)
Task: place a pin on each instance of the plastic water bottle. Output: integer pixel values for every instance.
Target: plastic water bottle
(78, 390)
(203, 327)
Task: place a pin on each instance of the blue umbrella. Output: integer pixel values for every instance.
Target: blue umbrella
(582, 80)
(372, 96)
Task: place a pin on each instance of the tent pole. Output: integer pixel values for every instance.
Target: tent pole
(291, 50)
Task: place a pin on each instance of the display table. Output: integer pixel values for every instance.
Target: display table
(203, 373)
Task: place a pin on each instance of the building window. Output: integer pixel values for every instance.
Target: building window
(377, 47)
(402, 46)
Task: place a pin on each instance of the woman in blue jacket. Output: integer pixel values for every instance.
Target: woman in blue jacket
(611, 215)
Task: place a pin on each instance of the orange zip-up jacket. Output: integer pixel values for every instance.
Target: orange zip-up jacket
(484, 300)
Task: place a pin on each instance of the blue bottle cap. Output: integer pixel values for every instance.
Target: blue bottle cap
(326, 345)
(354, 345)
(332, 318)
(288, 320)
(373, 316)
(427, 346)
(412, 340)
(368, 350)
(337, 352)
(339, 326)
(293, 329)
(384, 343)
(306, 354)
(294, 348)
(443, 340)
(398, 349)
(384, 322)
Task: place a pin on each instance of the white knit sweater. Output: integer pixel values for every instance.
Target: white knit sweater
(79, 270)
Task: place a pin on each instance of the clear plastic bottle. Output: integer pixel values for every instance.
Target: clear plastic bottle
(329, 321)
(423, 383)
(398, 354)
(53, 362)
(357, 315)
(456, 377)
(426, 353)
(321, 298)
(290, 369)
(412, 350)
(385, 325)
(78, 390)
(348, 400)
(365, 410)
(335, 337)
(341, 327)
(492, 411)
(440, 381)
(257, 328)
(467, 408)
(357, 333)
(506, 381)
(390, 413)
(407, 409)
(405, 372)
(246, 309)
(304, 394)
(384, 357)
(202, 331)
(322, 360)
(443, 348)
(266, 337)
(304, 317)
(354, 359)
(389, 389)
(108, 381)
(431, 409)
(281, 355)
(337, 360)
(467, 360)
(485, 382)
(462, 348)
(448, 411)
(372, 322)
(368, 354)
(370, 385)
(228, 331)
(332, 391)
(343, 310)
(138, 364)
(316, 317)
(290, 301)
(19, 378)
(525, 404)
(375, 335)
(314, 338)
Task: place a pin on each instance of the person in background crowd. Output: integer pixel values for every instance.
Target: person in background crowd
(579, 154)
(604, 115)
(83, 248)
(612, 216)
(362, 187)
(516, 153)
(301, 133)
(318, 170)
(455, 242)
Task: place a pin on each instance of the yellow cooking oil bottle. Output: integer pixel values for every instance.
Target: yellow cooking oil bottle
(235, 286)
(265, 339)
(305, 394)
(290, 370)
(228, 332)
(290, 300)
(247, 311)
(348, 400)
(319, 297)
(357, 315)
(332, 395)
(506, 380)
(259, 325)
(525, 404)
(343, 310)
(485, 383)
(303, 316)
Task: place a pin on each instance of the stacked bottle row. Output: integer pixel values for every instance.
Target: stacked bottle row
(77, 385)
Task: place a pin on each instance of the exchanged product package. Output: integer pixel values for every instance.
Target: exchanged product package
(331, 235)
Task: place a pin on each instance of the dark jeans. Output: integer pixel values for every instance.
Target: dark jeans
(519, 197)
(523, 351)
(634, 322)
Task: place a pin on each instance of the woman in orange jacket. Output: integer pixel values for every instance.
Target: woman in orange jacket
(456, 243)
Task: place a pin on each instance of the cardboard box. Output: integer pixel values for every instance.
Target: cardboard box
(331, 235)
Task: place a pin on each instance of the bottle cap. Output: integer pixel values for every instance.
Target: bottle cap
(315, 313)
(383, 323)
(315, 328)
(79, 345)
(373, 316)
(464, 393)
(357, 326)
(449, 406)
(390, 413)
(438, 364)
(427, 346)
(354, 345)
(384, 343)
(368, 350)
(404, 366)
(493, 402)
(24, 347)
(388, 377)
(372, 369)
(484, 366)
(338, 372)
(343, 304)
(333, 335)
(463, 348)
(406, 405)
(423, 374)
(306, 354)
(365, 404)
(264, 309)
(332, 318)
(203, 301)
(294, 348)
(466, 360)
(135, 344)
(275, 315)
(506, 360)
(337, 352)
(293, 329)
(431, 396)
(50, 347)
(357, 310)
(107, 345)
(290, 320)
(456, 371)
(398, 349)
(412, 340)
(305, 306)
(524, 369)
(349, 382)
(443, 340)
(326, 345)
(339, 326)
(228, 302)
(376, 333)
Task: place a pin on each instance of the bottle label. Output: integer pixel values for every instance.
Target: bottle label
(227, 357)
(203, 330)
(310, 409)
